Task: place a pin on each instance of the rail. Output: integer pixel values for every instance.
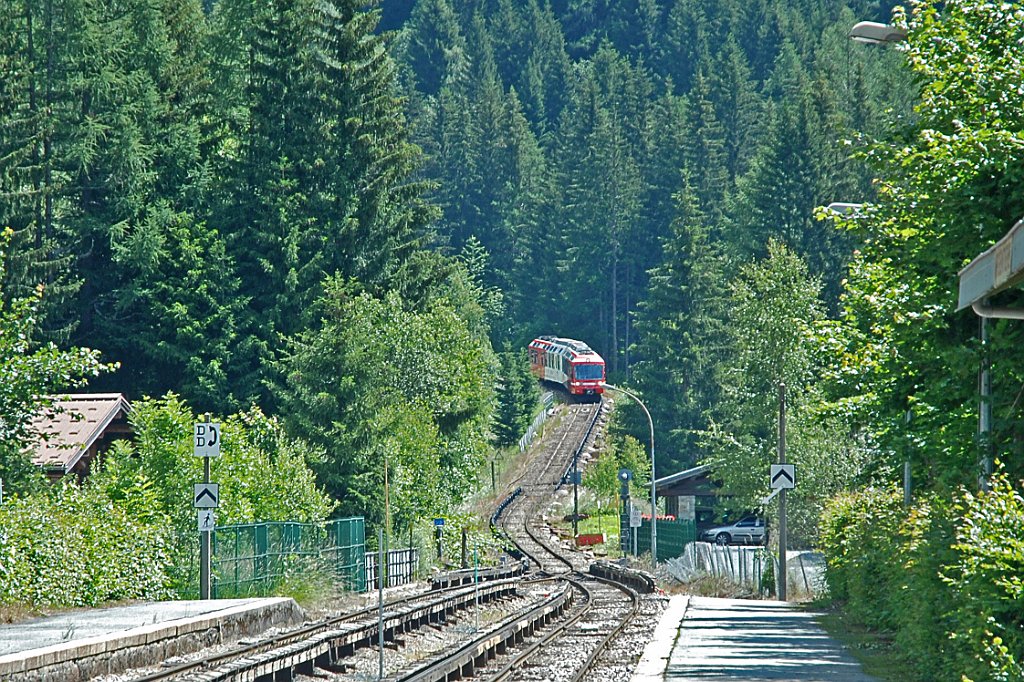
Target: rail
(574, 462)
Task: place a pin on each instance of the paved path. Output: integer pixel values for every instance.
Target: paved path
(741, 640)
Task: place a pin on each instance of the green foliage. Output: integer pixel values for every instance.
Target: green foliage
(680, 324)
(185, 305)
(381, 386)
(941, 577)
(623, 452)
(924, 599)
(72, 546)
(263, 476)
(33, 373)
(860, 537)
(986, 577)
(517, 397)
(948, 188)
(776, 334)
(128, 532)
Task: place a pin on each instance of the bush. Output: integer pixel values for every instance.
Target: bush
(944, 577)
(986, 578)
(72, 547)
(860, 540)
(924, 599)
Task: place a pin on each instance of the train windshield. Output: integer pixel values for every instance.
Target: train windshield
(589, 372)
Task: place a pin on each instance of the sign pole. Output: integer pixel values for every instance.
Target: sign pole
(575, 499)
(204, 545)
(380, 602)
(206, 442)
(783, 539)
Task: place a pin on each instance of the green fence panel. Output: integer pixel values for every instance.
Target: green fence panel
(253, 559)
(672, 536)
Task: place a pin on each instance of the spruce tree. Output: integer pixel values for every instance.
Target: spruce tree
(680, 331)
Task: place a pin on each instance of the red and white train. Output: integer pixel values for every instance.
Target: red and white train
(570, 363)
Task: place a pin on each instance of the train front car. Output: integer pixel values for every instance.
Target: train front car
(569, 363)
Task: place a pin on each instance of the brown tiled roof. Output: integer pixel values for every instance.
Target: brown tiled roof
(66, 436)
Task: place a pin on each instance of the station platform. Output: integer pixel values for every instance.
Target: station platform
(743, 640)
(80, 645)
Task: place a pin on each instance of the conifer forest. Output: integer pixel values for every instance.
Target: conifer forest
(338, 223)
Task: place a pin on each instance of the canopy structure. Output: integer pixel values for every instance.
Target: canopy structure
(999, 268)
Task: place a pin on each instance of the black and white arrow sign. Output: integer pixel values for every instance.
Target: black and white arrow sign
(783, 476)
(205, 495)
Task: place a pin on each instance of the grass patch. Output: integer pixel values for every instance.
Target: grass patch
(873, 650)
(15, 613)
(606, 523)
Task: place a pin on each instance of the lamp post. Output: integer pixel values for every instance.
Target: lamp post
(873, 33)
(654, 496)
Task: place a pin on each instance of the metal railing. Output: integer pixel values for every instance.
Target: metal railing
(403, 567)
(256, 558)
(548, 399)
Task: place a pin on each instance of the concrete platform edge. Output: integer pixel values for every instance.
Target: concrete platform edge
(148, 644)
(658, 651)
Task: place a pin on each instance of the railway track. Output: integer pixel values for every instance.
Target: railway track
(559, 622)
(595, 612)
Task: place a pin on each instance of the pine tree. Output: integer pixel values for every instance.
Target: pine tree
(435, 43)
(517, 399)
(379, 228)
(601, 210)
(706, 155)
(680, 330)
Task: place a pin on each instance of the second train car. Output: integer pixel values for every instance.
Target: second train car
(569, 363)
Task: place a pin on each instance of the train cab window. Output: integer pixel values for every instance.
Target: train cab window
(589, 372)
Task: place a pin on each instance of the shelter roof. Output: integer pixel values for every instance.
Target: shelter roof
(74, 424)
(695, 481)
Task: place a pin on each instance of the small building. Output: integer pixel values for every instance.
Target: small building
(690, 495)
(76, 430)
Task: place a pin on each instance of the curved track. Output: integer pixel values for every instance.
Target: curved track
(559, 624)
(602, 609)
(571, 645)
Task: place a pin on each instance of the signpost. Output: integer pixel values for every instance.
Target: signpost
(784, 479)
(624, 476)
(439, 526)
(206, 496)
(576, 480)
(635, 521)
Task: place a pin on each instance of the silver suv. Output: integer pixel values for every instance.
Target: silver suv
(747, 531)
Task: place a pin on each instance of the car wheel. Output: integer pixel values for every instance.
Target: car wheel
(722, 539)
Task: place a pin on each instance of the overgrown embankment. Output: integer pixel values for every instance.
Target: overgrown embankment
(943, 577)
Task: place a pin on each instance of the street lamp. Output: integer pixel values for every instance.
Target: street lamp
(654, 497)
(844, 208)
(873, 33)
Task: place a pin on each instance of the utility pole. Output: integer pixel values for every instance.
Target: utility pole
(783, 539)
(575, 498)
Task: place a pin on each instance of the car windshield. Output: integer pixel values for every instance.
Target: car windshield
(589, 372)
